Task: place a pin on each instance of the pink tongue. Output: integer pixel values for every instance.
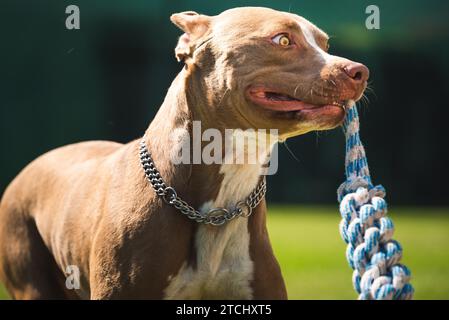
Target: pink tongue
(281, 105)
(290, 106)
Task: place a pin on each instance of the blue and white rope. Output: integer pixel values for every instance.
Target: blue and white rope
(371, 251)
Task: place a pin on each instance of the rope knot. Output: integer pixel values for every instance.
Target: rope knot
(366, 229)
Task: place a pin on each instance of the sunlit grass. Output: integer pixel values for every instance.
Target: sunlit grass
(312, 255)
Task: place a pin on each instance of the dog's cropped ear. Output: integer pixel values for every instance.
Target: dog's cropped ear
(195, 27)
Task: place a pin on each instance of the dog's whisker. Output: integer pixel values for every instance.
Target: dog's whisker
(311, 92)
(317, 138)
(290, 151)
(296, 89)
(222, 97)
(370, 90)
(364, 102)
(366, 98)
(334, 83)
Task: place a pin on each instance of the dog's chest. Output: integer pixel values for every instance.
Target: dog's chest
(224, 268)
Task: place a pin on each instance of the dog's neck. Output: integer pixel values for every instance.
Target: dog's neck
(199, 184)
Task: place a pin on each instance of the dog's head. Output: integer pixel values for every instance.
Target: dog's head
(272, 69)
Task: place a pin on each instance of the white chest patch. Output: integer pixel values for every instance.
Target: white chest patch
(224, 269)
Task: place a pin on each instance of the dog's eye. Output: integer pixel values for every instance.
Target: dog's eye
(282, 40)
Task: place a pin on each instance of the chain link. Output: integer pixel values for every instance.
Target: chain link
(215, 216)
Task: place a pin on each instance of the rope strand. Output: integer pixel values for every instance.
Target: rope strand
(371, 252)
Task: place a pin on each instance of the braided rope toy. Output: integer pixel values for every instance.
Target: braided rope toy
(366, 229)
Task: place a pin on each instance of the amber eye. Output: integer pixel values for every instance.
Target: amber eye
(282, 40)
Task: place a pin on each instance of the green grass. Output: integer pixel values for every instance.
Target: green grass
(312, 255)
(308, 246)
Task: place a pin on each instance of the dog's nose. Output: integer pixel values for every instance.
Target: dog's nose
(358, 72)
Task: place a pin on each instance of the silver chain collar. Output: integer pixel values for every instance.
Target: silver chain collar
(215, 216)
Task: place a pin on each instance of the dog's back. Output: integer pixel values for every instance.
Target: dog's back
(26, 260)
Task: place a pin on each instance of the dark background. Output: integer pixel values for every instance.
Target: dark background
(107, 80)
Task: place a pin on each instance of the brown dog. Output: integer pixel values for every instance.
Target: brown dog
(90, 205)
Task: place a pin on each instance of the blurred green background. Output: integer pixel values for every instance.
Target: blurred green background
(106, 81)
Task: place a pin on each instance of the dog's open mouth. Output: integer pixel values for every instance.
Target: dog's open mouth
(281, 102)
